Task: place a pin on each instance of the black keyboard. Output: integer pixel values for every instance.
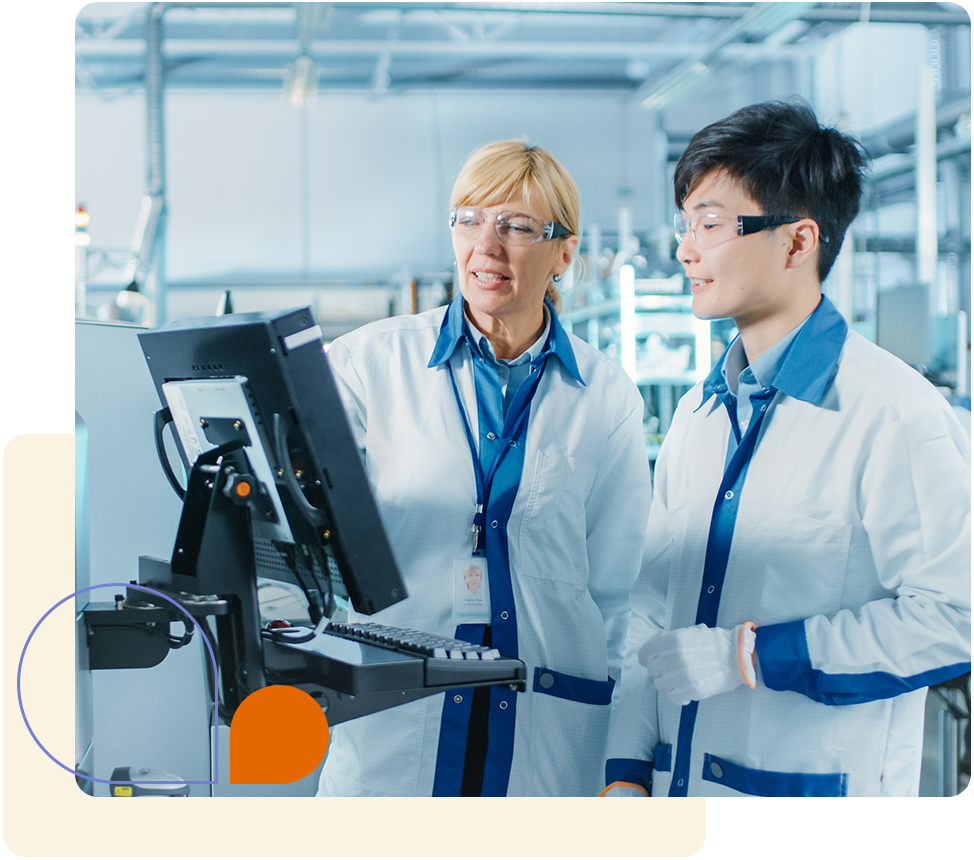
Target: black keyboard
(374, 666)
(411, 641)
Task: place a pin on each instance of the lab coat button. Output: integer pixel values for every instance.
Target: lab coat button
(710, 590)
(546, 680)
(458, 699)
(504, 615)
(716, 770)
(679, 782)
(493, 524)
(729, 495)
(503, 706)
(491, 435)
(512, 443)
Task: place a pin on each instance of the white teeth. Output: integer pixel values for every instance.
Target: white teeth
(488, 276)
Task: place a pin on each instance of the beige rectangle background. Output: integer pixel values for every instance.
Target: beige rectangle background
(46, 814)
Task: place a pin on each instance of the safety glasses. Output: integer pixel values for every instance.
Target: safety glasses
(514, 228)
(708, 230)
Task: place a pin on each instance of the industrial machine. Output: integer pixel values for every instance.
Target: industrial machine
(273, 486)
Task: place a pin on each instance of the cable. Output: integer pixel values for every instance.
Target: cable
(314, 517)
(174, 642)
(289, 551)
(278, 634)
(162, 418)
(185, 639)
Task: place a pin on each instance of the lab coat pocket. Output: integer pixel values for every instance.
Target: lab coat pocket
(799, 568)
(572, 719)
(573, 688)
(768, 783)
(674, 552)
(551, 535)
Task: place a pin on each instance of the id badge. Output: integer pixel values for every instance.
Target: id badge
(471, 590)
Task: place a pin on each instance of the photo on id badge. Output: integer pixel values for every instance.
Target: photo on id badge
(471, 591)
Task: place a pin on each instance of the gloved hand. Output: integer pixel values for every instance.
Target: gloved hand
(623, 789)
(695, 663)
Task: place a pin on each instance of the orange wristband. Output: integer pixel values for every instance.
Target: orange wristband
(608, 788)
(745, 655)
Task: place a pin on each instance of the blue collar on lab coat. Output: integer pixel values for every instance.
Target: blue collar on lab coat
(809, 363)
(452, 331)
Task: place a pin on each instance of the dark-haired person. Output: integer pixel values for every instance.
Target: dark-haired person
(807, 566)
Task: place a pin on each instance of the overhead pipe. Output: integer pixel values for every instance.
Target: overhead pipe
(825, 12)
(127, 49)
(926, 184)
(153, 245)
(761, 20)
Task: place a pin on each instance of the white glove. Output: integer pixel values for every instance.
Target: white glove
(695, 663)
(623, 789)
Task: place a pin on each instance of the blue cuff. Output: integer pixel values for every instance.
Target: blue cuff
(785, 665)
(783, 657)
(629, 770)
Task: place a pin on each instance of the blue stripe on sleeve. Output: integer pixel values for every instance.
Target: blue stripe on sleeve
(629, 770)
(785, 665)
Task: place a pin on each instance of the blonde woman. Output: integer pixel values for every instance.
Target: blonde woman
(495, 438)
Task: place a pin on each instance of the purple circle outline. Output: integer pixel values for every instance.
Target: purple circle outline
(216, 700)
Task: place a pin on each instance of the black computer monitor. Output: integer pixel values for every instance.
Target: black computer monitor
(258, 387)
(275, 485)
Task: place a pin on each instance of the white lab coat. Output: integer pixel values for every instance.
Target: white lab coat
(853, 534)
(576, 533)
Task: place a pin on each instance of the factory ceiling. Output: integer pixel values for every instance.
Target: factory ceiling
(650, 50)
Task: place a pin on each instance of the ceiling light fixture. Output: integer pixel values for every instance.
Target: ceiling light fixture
(301, 84)
(677, 85)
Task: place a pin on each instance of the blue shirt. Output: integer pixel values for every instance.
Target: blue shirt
(744, 380)
(510, 372)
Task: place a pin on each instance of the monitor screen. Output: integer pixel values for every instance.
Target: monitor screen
(258, 386)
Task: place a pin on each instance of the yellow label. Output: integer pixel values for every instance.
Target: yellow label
(122, 790)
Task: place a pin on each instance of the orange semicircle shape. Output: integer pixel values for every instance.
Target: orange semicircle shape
(279, 734)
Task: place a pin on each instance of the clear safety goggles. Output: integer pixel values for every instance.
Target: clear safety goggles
(709, 230)
(514, 228)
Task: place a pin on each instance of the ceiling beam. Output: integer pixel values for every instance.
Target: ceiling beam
(761, 21)
(322, 48)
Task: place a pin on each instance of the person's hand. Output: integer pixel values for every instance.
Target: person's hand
(695, 663)
(624, 789)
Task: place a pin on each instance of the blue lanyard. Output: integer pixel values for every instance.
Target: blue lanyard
(516, 416)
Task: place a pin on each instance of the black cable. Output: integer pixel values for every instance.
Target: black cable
(162, 418)
(278, 634)
(314, 517)
(322, 558)
(289, 551)
(186, 638)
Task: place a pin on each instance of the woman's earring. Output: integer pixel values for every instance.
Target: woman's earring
(556, 278)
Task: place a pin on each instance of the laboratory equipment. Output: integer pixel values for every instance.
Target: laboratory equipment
(275, 487)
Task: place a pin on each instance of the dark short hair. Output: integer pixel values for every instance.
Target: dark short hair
(787, 163)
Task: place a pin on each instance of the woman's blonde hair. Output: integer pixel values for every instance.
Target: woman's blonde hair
(509, 168)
